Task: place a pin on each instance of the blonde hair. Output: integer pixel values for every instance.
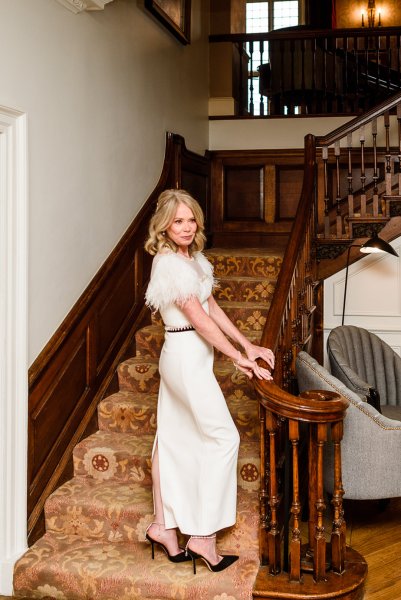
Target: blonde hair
(166, 208)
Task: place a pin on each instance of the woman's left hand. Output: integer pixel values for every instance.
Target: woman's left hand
(253, 352)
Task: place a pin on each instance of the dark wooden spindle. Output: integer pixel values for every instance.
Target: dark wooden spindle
(339, 223)
(338, 530)
(349, 178)
(251, 103)
(325, 156)
(273, 535)
(388, 153)
(375, 208)
(295, 544)
(363, 174)
(319, 566)
(261, 97)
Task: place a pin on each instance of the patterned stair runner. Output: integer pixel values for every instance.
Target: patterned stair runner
(94, 546)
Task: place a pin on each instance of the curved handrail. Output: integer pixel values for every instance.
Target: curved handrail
(305, 207)
(354, 124)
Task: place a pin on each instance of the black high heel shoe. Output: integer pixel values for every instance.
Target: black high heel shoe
(225, 562)
(176, 558)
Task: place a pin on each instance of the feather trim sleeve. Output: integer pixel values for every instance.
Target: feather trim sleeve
(172, 281)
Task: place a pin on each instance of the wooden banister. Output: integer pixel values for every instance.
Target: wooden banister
(290, 423)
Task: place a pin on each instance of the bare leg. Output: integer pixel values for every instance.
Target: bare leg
(157, 530)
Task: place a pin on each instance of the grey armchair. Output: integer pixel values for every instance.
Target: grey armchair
(371, 446)
(368, 366)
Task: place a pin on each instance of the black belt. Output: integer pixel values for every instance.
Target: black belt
(179, 329)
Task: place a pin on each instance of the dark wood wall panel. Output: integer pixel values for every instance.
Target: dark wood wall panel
(246, 195)
(78, 364)
(288, 191)
(244, 191)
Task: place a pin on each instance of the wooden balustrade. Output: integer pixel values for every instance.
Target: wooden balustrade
(301, 71)
(321, 565)
(360, 182)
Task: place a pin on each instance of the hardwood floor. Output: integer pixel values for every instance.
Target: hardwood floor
(376, 534)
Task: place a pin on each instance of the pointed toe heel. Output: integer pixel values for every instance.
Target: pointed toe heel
(175, 558)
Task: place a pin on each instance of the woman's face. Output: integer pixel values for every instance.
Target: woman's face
(183, 228)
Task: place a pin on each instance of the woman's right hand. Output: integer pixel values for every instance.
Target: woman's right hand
(251, 368)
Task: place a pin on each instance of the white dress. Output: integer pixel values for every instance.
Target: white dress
(196, 436)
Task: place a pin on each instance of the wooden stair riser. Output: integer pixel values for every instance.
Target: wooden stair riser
(252, 265)
(106, 456)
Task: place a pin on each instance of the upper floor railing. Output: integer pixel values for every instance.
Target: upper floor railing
(302, 71)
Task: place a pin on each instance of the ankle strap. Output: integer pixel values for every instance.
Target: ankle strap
(203, 537)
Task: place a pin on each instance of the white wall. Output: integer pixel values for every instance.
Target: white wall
(373, 297)
(255, 134)
(100, 89)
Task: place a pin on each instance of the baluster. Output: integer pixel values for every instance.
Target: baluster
(363, 175)
(349, 177)
(251, 104)
(375, 174)
(319, 567)
(291, 106)
(338, 197)
(261, 101)
(295, 544)
(325, 156)
(338, 531)
(263, 495)
(388, 153)
(273, 535)
(399, 146)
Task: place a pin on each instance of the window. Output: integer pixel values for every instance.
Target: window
(262, 17)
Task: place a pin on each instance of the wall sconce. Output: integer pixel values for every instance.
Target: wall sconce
(371, 15)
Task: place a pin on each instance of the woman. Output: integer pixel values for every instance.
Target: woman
(195, 453)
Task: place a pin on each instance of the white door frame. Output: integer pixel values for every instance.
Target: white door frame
(13, 342)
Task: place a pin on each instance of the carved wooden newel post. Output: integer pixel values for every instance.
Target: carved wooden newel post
(321, 566)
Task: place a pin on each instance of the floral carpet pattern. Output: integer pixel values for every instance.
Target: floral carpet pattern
(94, 546)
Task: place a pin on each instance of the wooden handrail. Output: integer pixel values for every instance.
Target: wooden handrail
(358, 122)
(271, 330)
(303, 34)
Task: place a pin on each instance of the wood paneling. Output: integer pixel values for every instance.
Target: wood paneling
(76, 367)
(256, 193)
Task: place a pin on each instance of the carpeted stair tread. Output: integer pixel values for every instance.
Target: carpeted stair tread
(120, 511)
(141, 375)
(73, 568)
(149, 340)
(91, 508)
(127, 412)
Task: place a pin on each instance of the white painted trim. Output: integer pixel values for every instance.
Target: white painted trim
(13, 342)
(77, 6)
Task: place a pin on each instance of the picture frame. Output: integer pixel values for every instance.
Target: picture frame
(175, 15)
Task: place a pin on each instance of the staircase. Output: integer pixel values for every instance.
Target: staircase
(94, 545)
